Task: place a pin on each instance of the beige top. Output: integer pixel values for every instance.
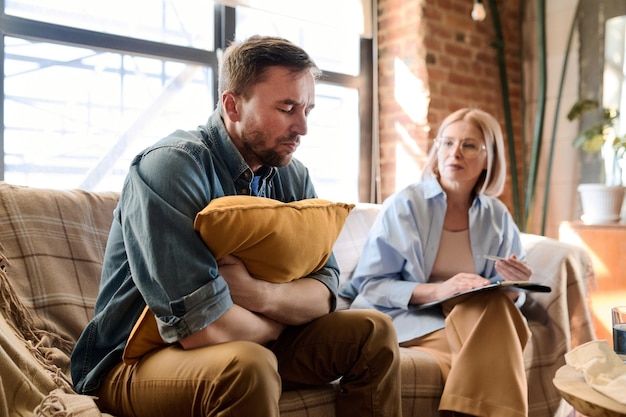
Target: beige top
(454, 256)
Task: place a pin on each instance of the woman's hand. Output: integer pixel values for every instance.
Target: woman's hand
(460, 283)
(512, 269)
(425, 293)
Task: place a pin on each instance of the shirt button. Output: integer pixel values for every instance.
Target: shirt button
(244, 191)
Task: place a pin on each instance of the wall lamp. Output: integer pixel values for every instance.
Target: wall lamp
(478, 11)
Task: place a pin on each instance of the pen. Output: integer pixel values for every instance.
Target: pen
(495, 258)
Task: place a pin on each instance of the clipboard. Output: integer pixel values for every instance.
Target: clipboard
(519, 285)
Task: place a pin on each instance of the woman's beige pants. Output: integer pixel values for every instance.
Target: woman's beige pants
(480, 352)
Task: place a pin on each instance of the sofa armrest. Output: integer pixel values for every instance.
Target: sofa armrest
(567, 269)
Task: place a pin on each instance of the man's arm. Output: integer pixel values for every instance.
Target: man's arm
(236, 324)
(262, 309)
(292, 303)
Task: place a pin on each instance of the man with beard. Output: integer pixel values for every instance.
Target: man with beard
(236, 341)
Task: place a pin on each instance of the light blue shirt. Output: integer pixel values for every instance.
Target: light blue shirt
(155, 257)
(402, 245)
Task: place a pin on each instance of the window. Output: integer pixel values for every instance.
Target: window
(614, 92)
(330, 148)
(75, 117)
(177, 22)
(84, 91)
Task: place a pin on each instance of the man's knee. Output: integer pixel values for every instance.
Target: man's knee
(376, 333)
(249, 374)
(383, 333)
(251, 363)
(373, 323)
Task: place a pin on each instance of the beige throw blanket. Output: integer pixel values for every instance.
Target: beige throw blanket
(31, 380)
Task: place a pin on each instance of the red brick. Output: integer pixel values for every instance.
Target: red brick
(461, 70)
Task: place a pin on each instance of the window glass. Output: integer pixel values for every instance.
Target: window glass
(614, 92)
(177, 22)
(331, 147)
(353, 16)
(75, 117)
(333, 49)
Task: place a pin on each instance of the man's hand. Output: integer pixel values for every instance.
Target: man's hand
(245, 290)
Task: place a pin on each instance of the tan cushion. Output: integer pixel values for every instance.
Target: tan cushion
(277, 241)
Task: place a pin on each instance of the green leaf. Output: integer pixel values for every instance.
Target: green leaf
(580, 107)
(593, 144)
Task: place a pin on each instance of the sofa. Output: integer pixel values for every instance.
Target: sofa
(51, 248)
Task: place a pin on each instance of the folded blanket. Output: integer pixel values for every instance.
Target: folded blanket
(63, 404)
(32, 377)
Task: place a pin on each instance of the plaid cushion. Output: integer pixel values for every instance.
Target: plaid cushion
(422, 384)
(421, 389)
(312, 402)
(54, 241)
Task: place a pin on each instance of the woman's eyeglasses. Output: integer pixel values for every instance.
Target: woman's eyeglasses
(470, 148)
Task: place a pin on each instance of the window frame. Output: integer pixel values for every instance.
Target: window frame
(224, 16)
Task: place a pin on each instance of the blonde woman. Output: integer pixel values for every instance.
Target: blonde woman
(429, 243)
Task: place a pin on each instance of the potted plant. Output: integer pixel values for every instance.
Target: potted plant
(601, 202)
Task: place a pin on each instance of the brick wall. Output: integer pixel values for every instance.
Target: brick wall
(434, 59)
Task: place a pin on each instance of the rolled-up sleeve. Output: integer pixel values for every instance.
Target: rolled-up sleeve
(173, 269)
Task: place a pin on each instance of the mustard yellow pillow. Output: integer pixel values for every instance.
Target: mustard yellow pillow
(277, 241)
(143, 338)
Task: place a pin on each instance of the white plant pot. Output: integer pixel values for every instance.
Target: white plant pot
(602, 204)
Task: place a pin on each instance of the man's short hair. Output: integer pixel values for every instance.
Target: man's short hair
(244, 64)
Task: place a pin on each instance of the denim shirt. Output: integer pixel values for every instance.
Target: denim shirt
(402, 245)
(154, 255)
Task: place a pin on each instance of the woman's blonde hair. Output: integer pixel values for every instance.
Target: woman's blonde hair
(492, 180)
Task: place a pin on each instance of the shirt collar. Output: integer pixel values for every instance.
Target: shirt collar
(432, 189)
